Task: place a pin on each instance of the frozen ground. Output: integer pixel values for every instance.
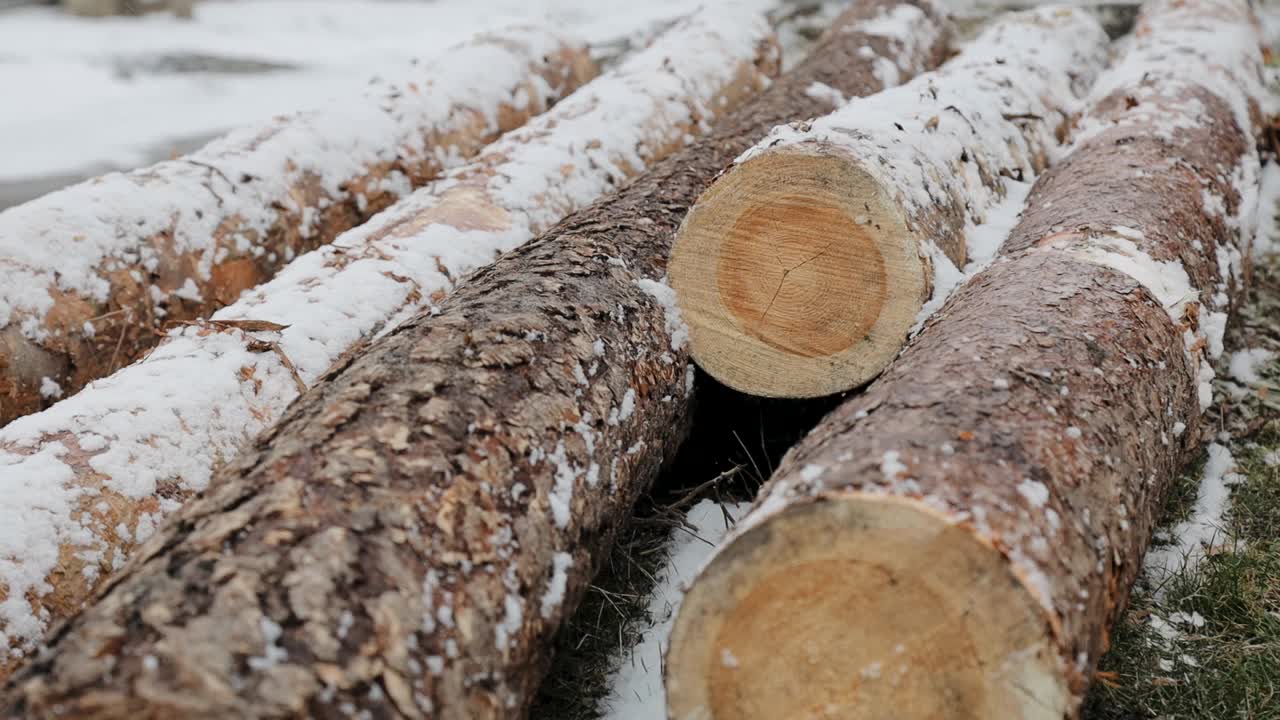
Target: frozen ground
(83, 96)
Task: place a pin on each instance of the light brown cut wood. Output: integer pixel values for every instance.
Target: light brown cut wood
(957, 540)
(801, 270)
(410, 537)
(805, 255)
(91, 275)
(779, 635)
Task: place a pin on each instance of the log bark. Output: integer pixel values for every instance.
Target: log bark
(802, 269)
(973, 522)
(90, 275)
(411, 535)
(105, 465)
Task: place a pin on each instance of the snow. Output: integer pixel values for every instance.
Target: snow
(511, 623)
(49, 388)
(69, 240)
(1267, 242)
(811, 472)
(272, 654)
(666, 297)
(554, 596)
(111, 70)
(1246, 363)
(824, 92)
(1178, 46)
(636, 691)
(1168, 281)
(172, 417)
(1036, 492)
(1193, 536)
(891, 465)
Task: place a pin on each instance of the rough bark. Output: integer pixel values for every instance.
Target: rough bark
(141, 441)
(411, 535)
(90, 274)
(973, 522)
(802, 269)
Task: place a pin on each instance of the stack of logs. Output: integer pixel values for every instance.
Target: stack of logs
(405, 538)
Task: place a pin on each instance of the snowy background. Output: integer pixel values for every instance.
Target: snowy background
(83, 96)
(87, 95)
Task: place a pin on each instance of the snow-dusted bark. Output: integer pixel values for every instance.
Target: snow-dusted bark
(801, 271)
(90, 274)
(973, 522)
(410, 536)
(88, 478)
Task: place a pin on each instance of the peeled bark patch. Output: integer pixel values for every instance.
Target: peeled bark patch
(981, 511)
(801, 270)
(412, 534)
(93, 475)
(90, 275)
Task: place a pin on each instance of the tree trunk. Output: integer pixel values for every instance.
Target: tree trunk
(411, 535)
(138, 443)
(808, 286)
(972, 523)
(90, 274)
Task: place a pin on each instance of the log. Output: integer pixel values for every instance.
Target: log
(802, 269)
(412, 534)
(973, 522)
(105, 465)
(89, 275)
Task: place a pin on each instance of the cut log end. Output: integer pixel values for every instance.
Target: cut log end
(847, 606)
(796, 275)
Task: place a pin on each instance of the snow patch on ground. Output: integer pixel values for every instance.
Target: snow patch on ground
(1195, 535)
(1267, 241)
(1246, 363)
(636, 691)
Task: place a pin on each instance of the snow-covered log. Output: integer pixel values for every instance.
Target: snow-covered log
(802, 269)
(410, 536)
(958, 540)
(92, 475)
(89, 275)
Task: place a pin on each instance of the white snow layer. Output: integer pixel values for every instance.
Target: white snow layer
(1246, 363)
(94, 94)
(1195, 535)
(1267, 242)
(992, 109)
(171, 417)
(635, 690)
(983, 241)
(68, 240)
